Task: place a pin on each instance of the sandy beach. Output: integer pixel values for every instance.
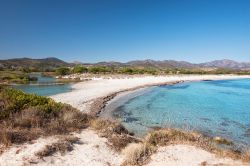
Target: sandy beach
(94, 149)
(84, 93)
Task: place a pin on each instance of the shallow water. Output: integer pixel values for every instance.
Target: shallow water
(45, 86)
(216, 108)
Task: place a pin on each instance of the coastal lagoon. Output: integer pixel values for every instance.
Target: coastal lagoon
(44, 86)
(216, 108)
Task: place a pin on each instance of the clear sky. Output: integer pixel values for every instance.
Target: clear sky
(123, 30)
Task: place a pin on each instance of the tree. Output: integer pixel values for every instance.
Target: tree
(99, 69)
(80, 69)
(126, 70)
(62, 71)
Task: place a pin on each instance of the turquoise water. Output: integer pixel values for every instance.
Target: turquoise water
(45, 86)
(216, 108)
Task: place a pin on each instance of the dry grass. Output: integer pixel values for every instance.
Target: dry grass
(31, 124)
(108, 127)
(204, 163)
(117, 135)
(168, 136)
(63, 146)
(10, 135)
(137, 153)
(224, 141)
(246, 156)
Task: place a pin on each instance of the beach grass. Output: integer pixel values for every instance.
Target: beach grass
(118, 136)
(139, 153)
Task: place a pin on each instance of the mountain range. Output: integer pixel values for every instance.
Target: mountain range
(55, 62)
(225, 63)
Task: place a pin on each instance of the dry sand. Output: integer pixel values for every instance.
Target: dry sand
(95, 150)
(92, 151)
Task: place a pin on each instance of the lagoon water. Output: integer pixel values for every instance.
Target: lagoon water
(45, 86)
(216, 108)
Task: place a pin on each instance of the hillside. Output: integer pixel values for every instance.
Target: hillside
(52, 63)
(228, 64)
(40, 64)
(161, 64)
(225, 63)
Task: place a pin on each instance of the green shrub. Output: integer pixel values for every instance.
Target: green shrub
(62, 71)
(100, 69)
(126, 70)
(16, 100)
(24, 117)
(14, 77)
(79, 69)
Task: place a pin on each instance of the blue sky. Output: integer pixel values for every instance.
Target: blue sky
(123, 30)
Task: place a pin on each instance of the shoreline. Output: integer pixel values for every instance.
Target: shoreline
(95, 148)
(92, 96)
(99, 104)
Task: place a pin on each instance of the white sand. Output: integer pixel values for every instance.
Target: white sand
(94, 150)
(84, 92)
(186, 155)
(24, 154)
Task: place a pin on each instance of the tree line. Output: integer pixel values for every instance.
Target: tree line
(136, 70)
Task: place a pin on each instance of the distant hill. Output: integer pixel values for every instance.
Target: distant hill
(41, 64)
(229, 64)
(112, 63)
(225, 63)
(161, 64)
(52, 63)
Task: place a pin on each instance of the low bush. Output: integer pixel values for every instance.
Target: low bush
(18, 77)
(79, 69)
(116, 134)
(62, 71)
(24, 117)
(14, 101)
(164, 136)
(108, 127)
(136, 154)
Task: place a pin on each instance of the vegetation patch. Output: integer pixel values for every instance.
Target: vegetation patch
(137, 154)
(117, 135)
(62, 146)
(17, 77)
(24, 117)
